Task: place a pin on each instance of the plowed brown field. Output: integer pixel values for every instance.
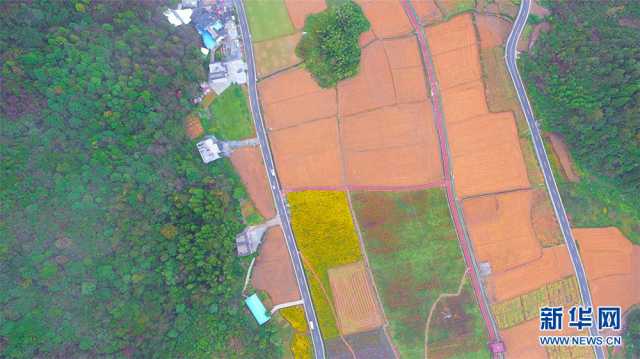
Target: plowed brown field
(552, 266)
(402, 52)
(409, 84)
(391, 146)
(300, 9)
(292, 83)
(492, 29)
(354, 299)
(273, 272)
(387, 17)
(612, 264)
(248, 163)
(521, 341)
(300, 109)
(464, 102)
(562, 152)
(501, 231)
(372, 87)
(486, 155)
(453, 34)
(458, 66)
(308, 154)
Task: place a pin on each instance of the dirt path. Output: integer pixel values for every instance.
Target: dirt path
(435, 304)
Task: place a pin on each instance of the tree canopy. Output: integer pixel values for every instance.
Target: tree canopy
(584, 80)
(115, 239)
(330, 47)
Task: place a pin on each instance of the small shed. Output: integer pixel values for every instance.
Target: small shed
(257, 309)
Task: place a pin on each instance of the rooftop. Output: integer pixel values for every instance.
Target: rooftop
(257, 309)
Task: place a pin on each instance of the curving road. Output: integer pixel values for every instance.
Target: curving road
(316, 336)
(543, 160)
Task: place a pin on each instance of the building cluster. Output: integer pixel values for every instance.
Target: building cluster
(215, 21)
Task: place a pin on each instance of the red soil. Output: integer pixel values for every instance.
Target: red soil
(464, 102)
(409, 84)
(308, 154)
(392, 146)
(273, 272)
(554, 264)
(486, 155)
(612, 264)
(303, 108)
(521, 341)
(458, 66)
(501, 231)
(300, 9)
(402, 52)
(286, 85)
(387, 17)
(453, 34)
(493, 30)
(372, 87)
(248, 163)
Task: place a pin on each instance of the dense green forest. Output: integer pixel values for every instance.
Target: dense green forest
(115, 239)
(583, 78)
(631, 335)
(330, 47)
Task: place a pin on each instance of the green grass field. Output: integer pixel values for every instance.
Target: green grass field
(462, 334)
(414, 255)
(228, 117)
(268, 19)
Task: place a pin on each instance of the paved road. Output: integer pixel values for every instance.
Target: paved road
(510, 57)
(318, 345)
(454, 206)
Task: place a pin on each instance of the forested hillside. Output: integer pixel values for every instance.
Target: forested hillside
(584, 80)
(114, 237)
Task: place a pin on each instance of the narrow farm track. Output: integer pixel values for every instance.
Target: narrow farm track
(454, 208)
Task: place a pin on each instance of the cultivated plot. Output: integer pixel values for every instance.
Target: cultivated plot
(427, 11)
(268, 19)
(367, 345)
(372, 87)
(248, 163)
(486, 155)
(612, 264)
(493, 30)
(308, 155)
(414, 256)
(553, 265)
(272, 271)
(387, 17)
(300, 9)
(354, 299)
(500, 229)
(326, 238)
(277, 54)
(391, 146)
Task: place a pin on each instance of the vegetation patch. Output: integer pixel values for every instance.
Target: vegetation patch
(115, 239)
(228, 117)
(300, 344)
(330, 47)
(453, 8)
(326, 238)
(457, 328)
(414, 255)
(583, 83)
(631, 336)
(268, 19)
